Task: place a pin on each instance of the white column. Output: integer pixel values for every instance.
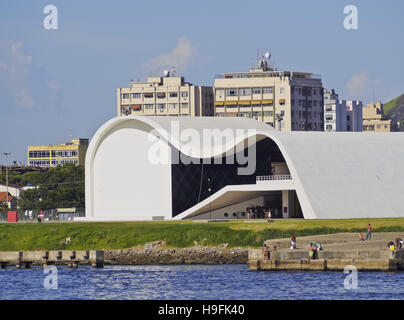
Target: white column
(285, 203)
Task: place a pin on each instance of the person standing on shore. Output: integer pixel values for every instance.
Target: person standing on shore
(369, 233)
(265, 249)
(26, 215)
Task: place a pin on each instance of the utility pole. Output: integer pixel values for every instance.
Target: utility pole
(6, 154)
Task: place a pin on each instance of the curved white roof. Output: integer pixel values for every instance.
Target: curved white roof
(336, 175)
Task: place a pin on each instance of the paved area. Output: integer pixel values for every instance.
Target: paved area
(340, 241)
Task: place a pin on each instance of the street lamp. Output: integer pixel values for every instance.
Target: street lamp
(6, 154)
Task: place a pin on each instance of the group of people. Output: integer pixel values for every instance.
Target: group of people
(258, 212)
(391, 245)
(397, 246)
(315, 247)
(28, 215)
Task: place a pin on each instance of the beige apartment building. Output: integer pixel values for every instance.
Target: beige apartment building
(286, 100)
(73, 151)
(373, 118)
(170, 96)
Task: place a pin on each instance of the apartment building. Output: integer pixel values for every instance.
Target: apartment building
(335, 112)
(341, 115)
(170, 96)
(73, 151)
(286, 100)
(373, 120)
(354, 115)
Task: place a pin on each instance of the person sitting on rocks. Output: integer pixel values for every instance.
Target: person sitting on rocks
(399, 243)
(313, 254)
(361, 238)
(293, 242)
(391, 246)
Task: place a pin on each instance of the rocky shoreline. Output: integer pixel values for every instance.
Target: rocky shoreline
(157, 253)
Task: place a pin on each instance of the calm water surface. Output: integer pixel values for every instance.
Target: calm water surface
(195, 282)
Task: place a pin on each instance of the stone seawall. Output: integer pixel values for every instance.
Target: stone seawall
(157, 253)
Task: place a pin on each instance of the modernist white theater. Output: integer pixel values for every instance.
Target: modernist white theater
(311, 175)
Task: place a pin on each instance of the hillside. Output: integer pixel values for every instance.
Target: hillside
(394, 109)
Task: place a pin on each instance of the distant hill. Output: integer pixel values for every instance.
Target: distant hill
(394, 109)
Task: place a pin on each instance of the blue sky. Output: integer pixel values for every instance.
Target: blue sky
(56, 83)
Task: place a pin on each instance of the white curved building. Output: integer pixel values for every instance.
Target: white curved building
(143, 168)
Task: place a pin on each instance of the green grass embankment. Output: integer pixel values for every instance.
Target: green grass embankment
(179, 234)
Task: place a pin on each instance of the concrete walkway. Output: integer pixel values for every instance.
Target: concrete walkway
(339, 241)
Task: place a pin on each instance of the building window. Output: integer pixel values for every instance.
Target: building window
(148, 106)
(231, 92)
(219, 93)
(173, 94)
(161, 95)
(125, 95)
(161, 107)
(184, 105)
(184, 94)
(148, 95)
(136, 95)
(245, 92)
(256, 90)
(267, 90)
(173, 105)
(281, 90)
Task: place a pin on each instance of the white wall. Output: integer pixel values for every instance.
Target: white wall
(126, 185)
(13, 191)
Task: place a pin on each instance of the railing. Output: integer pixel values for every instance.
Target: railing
(274, 177)
(49, 215)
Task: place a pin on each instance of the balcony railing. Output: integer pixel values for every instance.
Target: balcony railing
(274, 177)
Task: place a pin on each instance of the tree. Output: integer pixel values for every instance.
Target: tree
(59, 187)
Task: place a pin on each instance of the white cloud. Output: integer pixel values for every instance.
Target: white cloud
(358, 86)
(179, 58)
(15, 70)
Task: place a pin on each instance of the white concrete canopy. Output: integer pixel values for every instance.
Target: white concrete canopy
(335, 175)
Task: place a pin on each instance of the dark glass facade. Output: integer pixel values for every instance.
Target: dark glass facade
(191, 182)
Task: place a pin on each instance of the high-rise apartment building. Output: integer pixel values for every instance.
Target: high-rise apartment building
(160, 96)
(286, 100)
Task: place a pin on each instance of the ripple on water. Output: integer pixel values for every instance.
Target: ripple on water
(195, 282)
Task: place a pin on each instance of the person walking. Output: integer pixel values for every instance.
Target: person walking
(369, 233)
(30, 214)
(26, 215)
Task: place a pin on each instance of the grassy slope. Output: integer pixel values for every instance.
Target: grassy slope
(388, 106)
(119, 235)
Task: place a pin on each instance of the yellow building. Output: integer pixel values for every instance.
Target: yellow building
(165, 96)
(53, 155)
(286, 100)
(373, 118)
